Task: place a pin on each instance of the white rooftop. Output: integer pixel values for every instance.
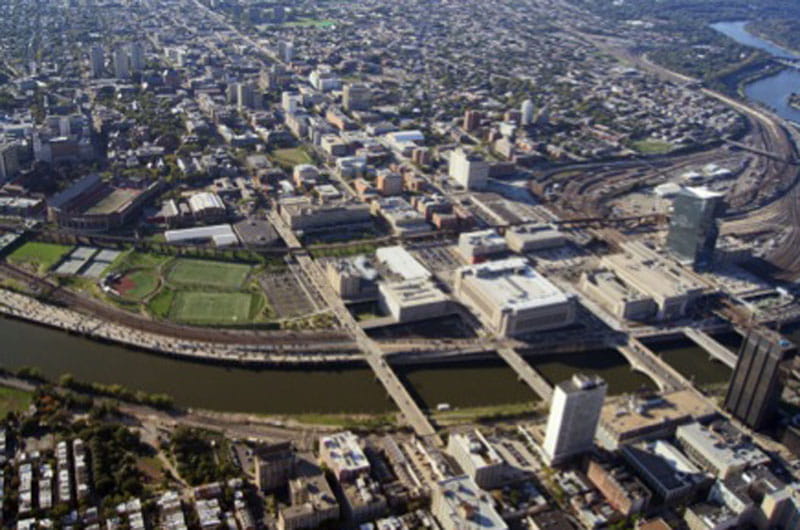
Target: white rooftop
(468, 506)
(402, 263)
(513, 284)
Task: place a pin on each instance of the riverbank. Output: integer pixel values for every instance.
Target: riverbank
(17, 306)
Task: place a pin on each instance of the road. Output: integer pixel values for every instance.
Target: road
(372, 350)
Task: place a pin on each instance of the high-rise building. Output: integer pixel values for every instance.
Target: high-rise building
(286, 51)
(356, 96)
(246, 96)
(472, 119)
(96, 61)
(526, 113)
(574, 413)
(468, 169)
(9, 161)
(693, 227)
(755, 385)
(121, 63)
(136, 57)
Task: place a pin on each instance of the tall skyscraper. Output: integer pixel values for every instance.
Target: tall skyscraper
(526, 112)
(246, 96)
(97, 61)
(121, 67)
(136, 57)
(9, 161)
(693, 227)
(574, 413)
(755, 386)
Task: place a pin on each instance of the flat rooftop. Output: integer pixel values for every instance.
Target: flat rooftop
(625, 415)
(513, 284)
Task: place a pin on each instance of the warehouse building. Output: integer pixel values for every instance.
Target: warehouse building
(535, 236)
(512, 298)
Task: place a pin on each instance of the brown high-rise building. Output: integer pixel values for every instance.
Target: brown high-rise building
(755, 386)
(472, 119)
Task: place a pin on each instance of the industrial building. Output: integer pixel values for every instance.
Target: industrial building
(512, 299)
(478, 246)
(535, 236)
(641, 268)
(459, 504)
(468, 169)
(413, 300)
(477, 458)
(574, 414)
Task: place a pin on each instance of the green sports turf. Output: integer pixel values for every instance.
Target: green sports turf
(216, 274)
(45, 255)
(211, 308)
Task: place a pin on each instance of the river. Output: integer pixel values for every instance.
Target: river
(772, 91)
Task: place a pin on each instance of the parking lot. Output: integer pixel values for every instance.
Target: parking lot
(286, 294)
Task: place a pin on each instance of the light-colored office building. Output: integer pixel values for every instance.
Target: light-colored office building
(574, 414)
(479, 245)
(459, 504)
(343, 455)
(719, 448)
(477, 458)
(412, 300)
(641, 268)
(468, 169)
(352, 278)
(313, 504)
(512, 299)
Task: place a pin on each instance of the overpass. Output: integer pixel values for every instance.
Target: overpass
(769, 154)
(642, 359)
(526, 373)
(373, 353)
(717, 350)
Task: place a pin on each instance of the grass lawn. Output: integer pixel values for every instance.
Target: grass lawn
(13, 400)
(137, 285)
(194, 307)
(312, 22)
(43, 255)
(652, 147)
(291, 157)
(216, 274)
(159, 306)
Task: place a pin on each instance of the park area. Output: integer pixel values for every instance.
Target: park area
(40, 256)
(207, 308)
(204, 273)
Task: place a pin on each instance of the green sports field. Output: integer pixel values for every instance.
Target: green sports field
(193, 307)
(214, 274)
(43, 255)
